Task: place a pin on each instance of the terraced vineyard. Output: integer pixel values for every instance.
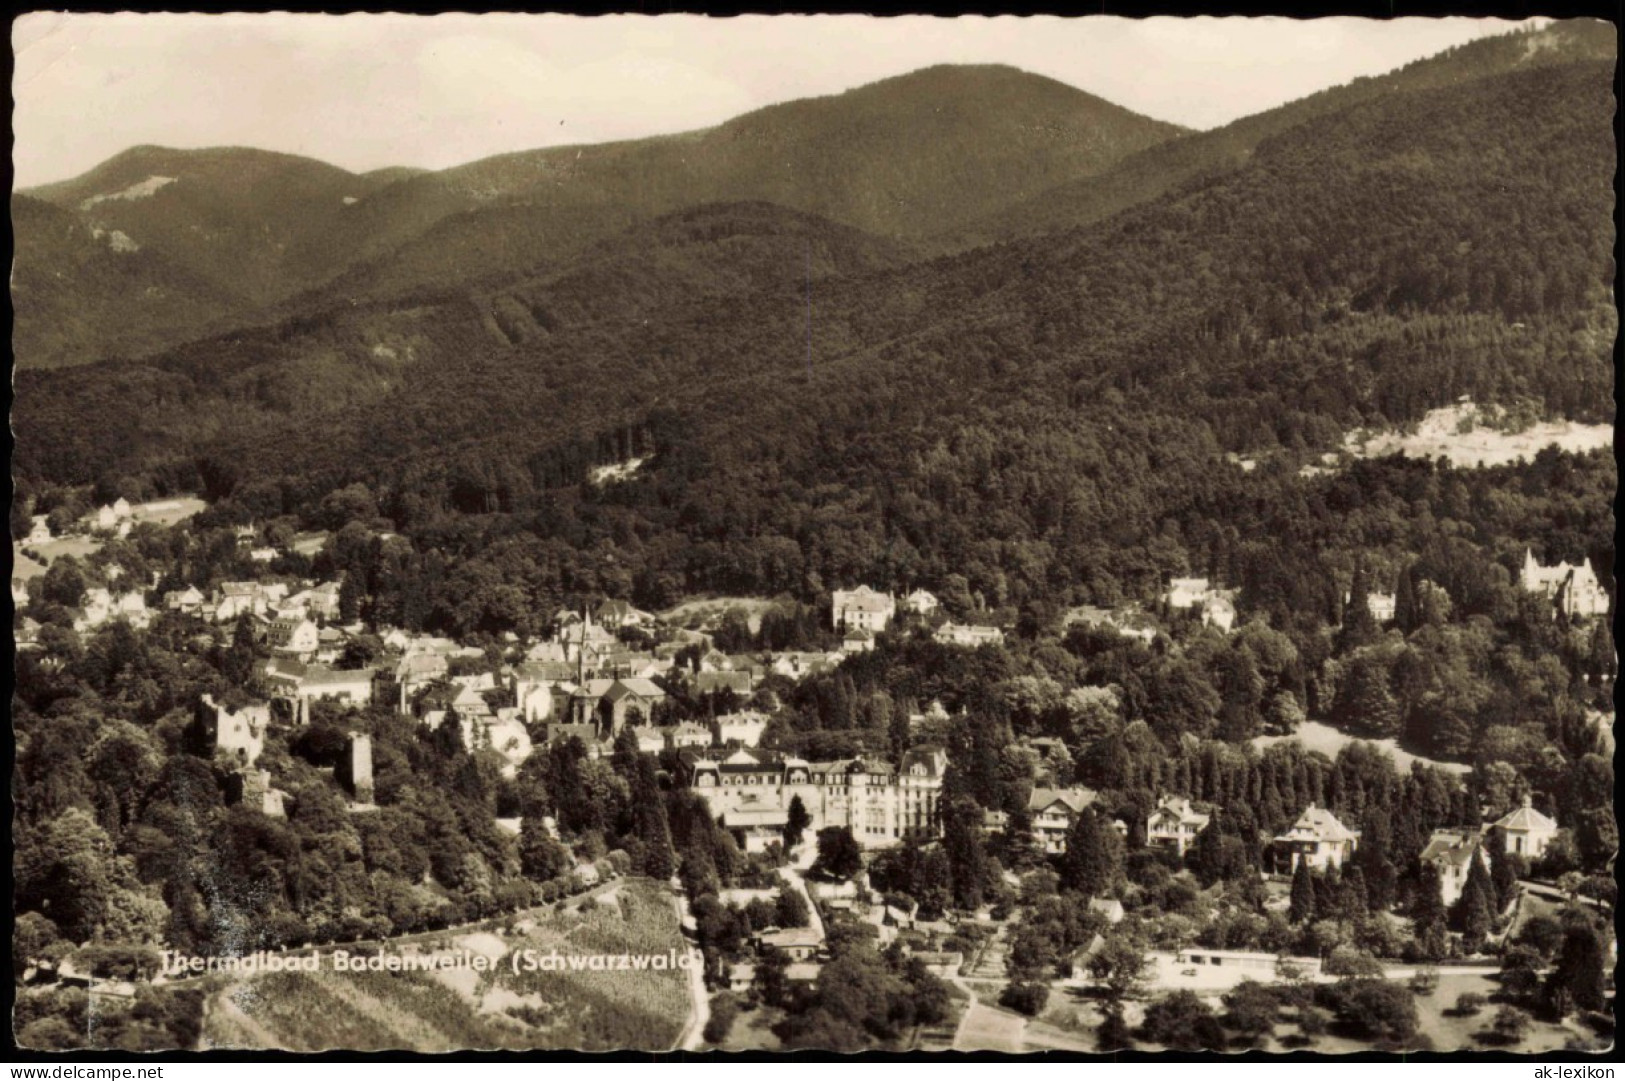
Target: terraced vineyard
(452, 1009)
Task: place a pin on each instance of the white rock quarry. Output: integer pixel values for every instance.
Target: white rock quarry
(146, 189)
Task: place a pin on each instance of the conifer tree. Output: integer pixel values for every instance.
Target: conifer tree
(796, 827)
(1093, 855)
(1302, 906)
(1503, 869)
(1577, 981)
(1407, 616)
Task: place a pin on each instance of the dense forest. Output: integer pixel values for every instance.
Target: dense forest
(1037, 417)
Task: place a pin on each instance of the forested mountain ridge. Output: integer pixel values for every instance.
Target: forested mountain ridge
(900, 158)
(259, 220)
(80, 289)
(1030, 416)
(263, 379)
(1166, 165)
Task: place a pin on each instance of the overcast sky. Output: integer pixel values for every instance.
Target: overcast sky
(365, 91)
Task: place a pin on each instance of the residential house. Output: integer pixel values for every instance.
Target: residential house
(533, 684)
(685, 736)
(616, 614)
(299, 684)
(623, 663)
(863, 609)
(1528, 832)
(857, 640)
(799, 666)
(1573, 588)
(1216, 606)
(415, 671)
(740, 683)
(1109, 907)
(1053, 812)
(1451, 852)
(111, 516)
(921, 602)
(741, 977)
(1318, 838)
(739, 729)
(98, 608)
(319, 601)
(800, 943)
(28, 634)
(959, 634)
(1174, 824)
(186, 600)
(1129, 622)
(1186, 592)
(293, 636)
(235, 599)
(330, 645)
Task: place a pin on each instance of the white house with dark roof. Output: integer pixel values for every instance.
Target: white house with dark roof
(1174, 824)
(1574, 588)
(857, 640)
(1318, 838)
(618, 613)
(743, 729)
(293, 636)
(1216, 606)
(968, 635)
(921, 602)
(1451, 852)
(1129, 622)
(1053, 812)
(300, 684)
(863, 609)
(1528, 831)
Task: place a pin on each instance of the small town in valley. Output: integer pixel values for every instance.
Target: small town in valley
(803, 792)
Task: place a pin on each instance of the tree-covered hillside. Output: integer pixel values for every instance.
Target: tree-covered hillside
(901, 158)
(1160, 168)
(1440, 243)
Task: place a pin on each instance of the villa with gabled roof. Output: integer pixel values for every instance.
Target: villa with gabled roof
(1174, 824)
(1318, 838)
